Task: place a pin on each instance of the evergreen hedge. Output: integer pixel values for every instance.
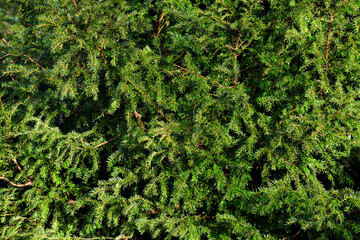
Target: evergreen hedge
(179, 119)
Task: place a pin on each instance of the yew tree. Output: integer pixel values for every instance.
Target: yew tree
(179, 119)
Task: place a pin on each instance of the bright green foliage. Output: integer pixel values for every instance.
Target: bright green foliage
(191, 119)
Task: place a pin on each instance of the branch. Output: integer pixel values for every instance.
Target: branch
(77, 9)
(186, 70)
(81, 238)
(102, 55)
(336, 112)
(17, 185)
(158, 30)
(283, 43)
(293, 235)
(17, 164)
(32, 60)
(5, 56)
(327, 43)
(223, 86)
(103, 143)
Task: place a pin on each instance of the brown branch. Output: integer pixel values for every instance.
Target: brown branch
(81, 238)
(42, 68)
(282, 46)
(182, 68)
(329, 120)
(77, 9)
(103, 143)
(186, 70)
(223, 86)
(237, 42)
(137, 115)
(283, 43)
(336, 113)
(293, 235)
(327, 43)
(102, 55)
(158, 30)
(17, 164)
(5, 56)
(17, 185)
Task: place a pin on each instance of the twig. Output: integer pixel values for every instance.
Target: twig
(283, 43)
(158, 30)
(103, 143)
(279, 53)
(180, 16)
(81, 238)
(77, 9)
(137, 115)
(5, 56)
(102, 55)
(33, 61)
(336, 112)
(17, 185)
(293, 235)
(223, 86)
(17, 164)
(186, 70)
(182, 68)
(327, 43)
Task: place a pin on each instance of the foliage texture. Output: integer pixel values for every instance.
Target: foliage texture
(191, 119)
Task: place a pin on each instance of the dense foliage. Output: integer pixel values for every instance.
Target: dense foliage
(191, 119)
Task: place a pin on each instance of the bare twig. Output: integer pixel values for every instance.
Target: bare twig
(15, 184)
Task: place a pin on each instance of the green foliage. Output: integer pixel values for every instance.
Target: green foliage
(225, 119)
